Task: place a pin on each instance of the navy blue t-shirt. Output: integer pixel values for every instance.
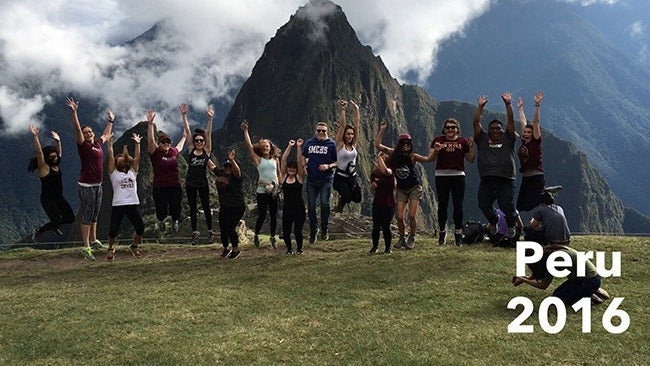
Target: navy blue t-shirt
(319, 152)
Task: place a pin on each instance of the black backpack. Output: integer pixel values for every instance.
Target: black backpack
(473, 232)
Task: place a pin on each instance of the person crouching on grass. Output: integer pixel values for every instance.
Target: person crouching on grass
(574, 288)
(123, 173)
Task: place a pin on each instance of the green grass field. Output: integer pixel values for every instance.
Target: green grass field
(334, 305)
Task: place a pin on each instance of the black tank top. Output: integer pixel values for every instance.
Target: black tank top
(52, 185)
(292, 195)
(196, 166)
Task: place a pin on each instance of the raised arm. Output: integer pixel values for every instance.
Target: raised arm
(249, 144)
(537, 131)
(340, 132)
(151, 143)
(510, 124)
(208, 131)
(136, 157)
(380, 136)
(186, 126)
(74, 106)
(57, 142)
(470, 155)
(356, 122)
(285, 156)
(40, 158)
(433, 153)
(381, 164)
(108, 130)
(110, 161)
(522, 115)
(235, 167)
(482, 101)
(300, 172)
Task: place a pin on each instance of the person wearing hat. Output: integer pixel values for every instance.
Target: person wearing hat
(167, 192)
(450, 150)
(319, 156)
(231, 203)
(496, 165)
(401, 160)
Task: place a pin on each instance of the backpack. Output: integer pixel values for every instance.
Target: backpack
(473, 232)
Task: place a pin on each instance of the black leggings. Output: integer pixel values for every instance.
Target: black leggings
(229, 218)
(381, 219)
(266, 201)
(132, 212)
(204, 195)
(454, 184)
(293, 217)
(59, 212)
(168, 201)
(347, 188)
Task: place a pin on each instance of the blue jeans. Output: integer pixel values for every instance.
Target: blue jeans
(503, 191)
(321, 192)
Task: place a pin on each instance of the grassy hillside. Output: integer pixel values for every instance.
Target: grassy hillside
(334, 305)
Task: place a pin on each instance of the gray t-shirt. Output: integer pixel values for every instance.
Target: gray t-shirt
(553, 222)
(496, 158)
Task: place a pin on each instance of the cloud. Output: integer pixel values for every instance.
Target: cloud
(637, 30)
(204, 51)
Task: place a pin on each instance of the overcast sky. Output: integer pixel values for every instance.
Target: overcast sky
(73, 47)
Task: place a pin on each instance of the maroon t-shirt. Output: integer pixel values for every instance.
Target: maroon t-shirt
(452, 156)
(384, 193)
(165, 168)
(92, 161)
(530, 155)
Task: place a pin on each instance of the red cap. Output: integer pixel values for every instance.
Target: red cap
(404, 136)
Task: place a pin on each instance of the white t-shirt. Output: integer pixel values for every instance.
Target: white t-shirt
(125, 188)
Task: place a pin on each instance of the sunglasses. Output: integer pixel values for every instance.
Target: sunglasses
(405, 142)
(199, 140)
(451, 127)
(321, 131)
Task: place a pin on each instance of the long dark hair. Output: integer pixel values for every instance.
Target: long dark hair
(32, 165)
(399, 157)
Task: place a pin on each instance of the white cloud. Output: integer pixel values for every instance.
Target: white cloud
(73, 47)
(637, 29)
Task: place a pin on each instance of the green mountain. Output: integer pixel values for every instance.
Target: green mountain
(305, 68)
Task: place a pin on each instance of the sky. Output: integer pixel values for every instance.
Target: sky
(75, 47)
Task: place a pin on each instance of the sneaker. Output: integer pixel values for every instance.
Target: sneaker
(256, 241)
(111, 254)
(299, 251)
(88, 253)
(325, 236)
(225, 253)
(135, 250)
(195, 237)
(273, 245)
(410, 242)
(595, 300)
(312, 236)
(373, 250)
(97, 245)
(441, 238)
(511, 232)
(601, 293)
(458, 239)
(289, 252)
(387, 251)
(210, 236)
(176, 226)
(401, 242)
(58, 232)
(234, 255)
